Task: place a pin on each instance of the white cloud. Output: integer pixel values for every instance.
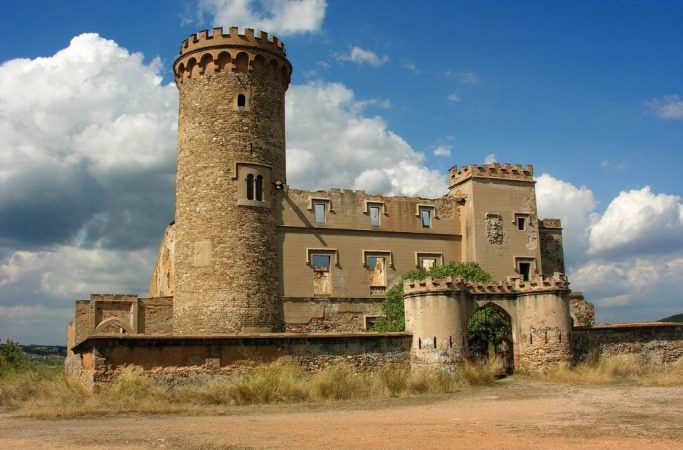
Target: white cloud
(411, 67)
(490, 158)
(363, 56)
(281, 17)
(639, 221)
(443, 150)
(667, 107)
(455, 98)
(332, 144)
(462, 77)
(573, 205)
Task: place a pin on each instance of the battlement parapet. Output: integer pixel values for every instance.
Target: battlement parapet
(550, 223)
(505, 171)
(216, 38)
(512, 286)
(204, 54)
(113, 297)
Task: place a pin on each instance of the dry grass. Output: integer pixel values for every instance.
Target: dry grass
(629, 368)
(47, 393)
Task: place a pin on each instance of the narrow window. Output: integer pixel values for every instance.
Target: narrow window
(321, 274)
(377, 274)
(319, 212)
(250, 187)
(531, 338)
(525, 270)
(374, 215)
(426, 215)
(241, 101)
(521, 221)
(259, 188)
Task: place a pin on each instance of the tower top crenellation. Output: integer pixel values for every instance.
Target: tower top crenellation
(216, 38)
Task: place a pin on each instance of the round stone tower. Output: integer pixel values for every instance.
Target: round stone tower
(231, 160)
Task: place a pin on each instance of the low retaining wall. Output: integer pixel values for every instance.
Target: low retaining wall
(661, 341)
(97, 359)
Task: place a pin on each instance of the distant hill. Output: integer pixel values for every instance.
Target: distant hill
(51, 355)
(674, 318)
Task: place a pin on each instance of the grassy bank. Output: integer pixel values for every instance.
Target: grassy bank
(45, 392)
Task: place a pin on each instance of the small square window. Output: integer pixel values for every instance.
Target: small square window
(370, 322)
(526, 267)
(374, 215)
(319, 212)
(427, 263)
(426, 216)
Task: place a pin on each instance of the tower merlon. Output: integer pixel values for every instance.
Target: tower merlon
(505, 171)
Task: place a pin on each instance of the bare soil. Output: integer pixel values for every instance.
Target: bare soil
(514, 413)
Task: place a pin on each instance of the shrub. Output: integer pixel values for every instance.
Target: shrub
(392, 306)
(13, 358)
(339, 382)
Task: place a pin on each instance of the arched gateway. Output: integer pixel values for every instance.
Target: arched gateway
(438, 310)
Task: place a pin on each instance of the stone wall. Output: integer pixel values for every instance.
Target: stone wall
(99, 358)
(552, 248)
(581, 311)
(311, 314)
(662, 342)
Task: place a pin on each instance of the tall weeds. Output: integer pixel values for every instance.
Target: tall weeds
(628, 368)
(50, 394)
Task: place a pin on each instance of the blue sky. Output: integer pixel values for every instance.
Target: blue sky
(591, 93)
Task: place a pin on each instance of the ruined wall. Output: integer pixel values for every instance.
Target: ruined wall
(310, 314)
(581, 311)
(661, 342)
(100, 357)
(495, 195)
(162, 281)
(552, 249)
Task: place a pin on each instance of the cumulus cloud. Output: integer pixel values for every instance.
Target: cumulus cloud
(667, 107)
(281, 17)
(638, 222)
(85, 135)
(573, 205)
(332, 144)
(443, 150)
(363, 56)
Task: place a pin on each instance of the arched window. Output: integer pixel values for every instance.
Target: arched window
(241, 101)
(250, 187)
(259, 188)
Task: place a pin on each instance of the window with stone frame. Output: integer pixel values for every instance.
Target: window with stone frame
(322, 279)
(374, 211)
(320, 211)
(377, 273)
(426, 261)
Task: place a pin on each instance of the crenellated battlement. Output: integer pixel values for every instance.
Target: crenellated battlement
(206, 53)
(550, 223)
(511, 286)
(505, 171)
(233, 38)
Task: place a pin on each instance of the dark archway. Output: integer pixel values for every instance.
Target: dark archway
(489, 338)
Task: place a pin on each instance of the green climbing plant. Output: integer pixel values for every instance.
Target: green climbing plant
(392, 306)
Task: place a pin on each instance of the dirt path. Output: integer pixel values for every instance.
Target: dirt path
(513, 414)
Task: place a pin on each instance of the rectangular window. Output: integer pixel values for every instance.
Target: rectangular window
(521, 221)
(427, 262)
(321, 274)
(370, 322)
(426, 215)
(319, 212)
(374, 215)
(377, 271)
(526, 267)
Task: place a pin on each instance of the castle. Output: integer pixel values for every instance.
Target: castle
(250, 262)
